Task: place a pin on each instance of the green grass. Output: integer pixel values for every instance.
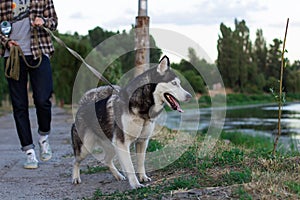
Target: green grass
(242, 169)
(154, 145)
(245, 99)
(248, 141)
(184, 182)
(230, 157)
(151, 192)
(293, 187)
(94, 169)
(242, 194)
(237, 177)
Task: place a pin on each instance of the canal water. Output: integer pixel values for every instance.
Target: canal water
(253, 120)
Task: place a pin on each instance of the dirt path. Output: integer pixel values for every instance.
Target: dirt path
(52, 180)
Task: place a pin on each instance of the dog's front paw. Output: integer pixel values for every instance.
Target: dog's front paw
(134, 183)
(137, 186)
(119, 177)
(76, 181)
(144, 178)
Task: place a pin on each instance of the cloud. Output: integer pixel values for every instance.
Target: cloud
(198, 12)
(77, 15)
(209, 12)
(282, 24)
(127, 18)
(205, 12)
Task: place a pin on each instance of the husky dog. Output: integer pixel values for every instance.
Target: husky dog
(115, 120)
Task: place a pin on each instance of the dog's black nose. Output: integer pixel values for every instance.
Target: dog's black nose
(188, 96)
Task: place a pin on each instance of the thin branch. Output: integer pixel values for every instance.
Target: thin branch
(280, 90)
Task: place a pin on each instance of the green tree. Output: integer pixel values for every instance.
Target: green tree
(291, 78)
(65, 65)
(260, 51)
(296, 65)
(120, 46)
(102, 50)
(260, 61)
(235, 56)
(98, 35)
(244, 54)
(195, 70)
(274, 59)
(195, 81)
(227, 61)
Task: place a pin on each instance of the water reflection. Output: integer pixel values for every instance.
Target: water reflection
(256, 119)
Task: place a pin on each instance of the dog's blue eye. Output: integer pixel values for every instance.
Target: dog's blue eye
(174, 83)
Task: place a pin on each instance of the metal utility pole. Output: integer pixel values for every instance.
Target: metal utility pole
(142, 53)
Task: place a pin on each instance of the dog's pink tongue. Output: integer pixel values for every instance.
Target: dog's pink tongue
(178, 108)
(175, 105)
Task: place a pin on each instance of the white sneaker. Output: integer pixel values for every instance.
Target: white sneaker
(45, 150)
(31, 162)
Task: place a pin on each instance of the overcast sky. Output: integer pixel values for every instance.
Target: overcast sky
(198, 20)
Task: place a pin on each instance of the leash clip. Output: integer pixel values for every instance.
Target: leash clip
(5, 28)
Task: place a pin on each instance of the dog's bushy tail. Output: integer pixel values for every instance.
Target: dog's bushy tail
(76, 141)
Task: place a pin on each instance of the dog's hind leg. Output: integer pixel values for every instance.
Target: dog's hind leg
(80, 152)
(110, 153)
(76, 166)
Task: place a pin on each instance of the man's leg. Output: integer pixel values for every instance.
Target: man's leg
(42, 88)
(19, 98)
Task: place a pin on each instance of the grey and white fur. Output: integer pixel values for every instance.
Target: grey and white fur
(115, 120)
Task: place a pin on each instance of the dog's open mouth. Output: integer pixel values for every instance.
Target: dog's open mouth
(173, 102)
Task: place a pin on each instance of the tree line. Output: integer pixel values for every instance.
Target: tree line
(65, 66)
(248, 67)
(245, 67)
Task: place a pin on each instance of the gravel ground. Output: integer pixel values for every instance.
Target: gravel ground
(52, 180)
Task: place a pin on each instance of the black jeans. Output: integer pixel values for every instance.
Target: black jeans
(42, 88)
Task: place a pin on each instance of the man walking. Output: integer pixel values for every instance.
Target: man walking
(22, 31)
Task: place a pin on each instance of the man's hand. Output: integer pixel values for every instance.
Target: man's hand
(38, 21)
(12, 43)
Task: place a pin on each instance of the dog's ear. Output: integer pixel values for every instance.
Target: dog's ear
(164, 65)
